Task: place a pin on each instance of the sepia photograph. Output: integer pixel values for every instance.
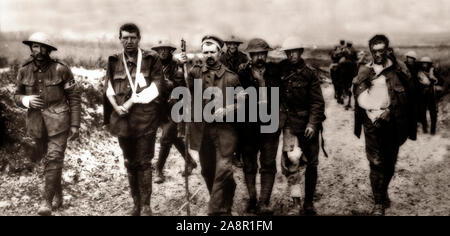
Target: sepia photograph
(225, 108)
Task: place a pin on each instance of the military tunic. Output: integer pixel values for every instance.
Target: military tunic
(303, 106)
(233, 61)
(384, 137)
(215, 142)
(137, 130)
(49, 126)
(174, 78)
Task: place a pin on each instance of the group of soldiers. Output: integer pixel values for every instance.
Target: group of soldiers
(428, 88)
(137, 102)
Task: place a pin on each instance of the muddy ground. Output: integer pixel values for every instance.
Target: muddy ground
(95, 181)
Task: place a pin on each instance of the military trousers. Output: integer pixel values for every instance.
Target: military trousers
(51, 149)
(266, 144)
(168, 138)
(428, 103)
(138, 152)
(216, 153)
(310, 148)
(382, 152)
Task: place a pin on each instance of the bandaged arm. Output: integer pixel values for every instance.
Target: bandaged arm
(147, 95)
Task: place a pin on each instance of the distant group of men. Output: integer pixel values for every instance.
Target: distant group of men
(137, 102)
(343, 69)
(428, 86)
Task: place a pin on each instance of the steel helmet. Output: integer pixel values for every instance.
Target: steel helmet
(292, 43)
(164, 44)
(233, 39)
(41, 38)
(425, 60)
(258, 45)
(411, 54)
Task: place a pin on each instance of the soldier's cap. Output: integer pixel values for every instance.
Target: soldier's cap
(164, 44)
(233, 39)
(41, 38)
(214, 40)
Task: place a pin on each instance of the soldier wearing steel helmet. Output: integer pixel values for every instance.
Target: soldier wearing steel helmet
(411, 64)
(173, 76)
(413, 68)
(428, 79)
(259, 73)
(235, 60)
(302, 112)
(46, 87)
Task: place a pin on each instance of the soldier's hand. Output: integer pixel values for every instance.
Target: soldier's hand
(259, 75)
(122, 111)
(183, 58)
(36, 102)
(242, 66)
(309, 133)
(74, 133)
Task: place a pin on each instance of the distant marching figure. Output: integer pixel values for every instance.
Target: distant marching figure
(46, 87)
(428, 79)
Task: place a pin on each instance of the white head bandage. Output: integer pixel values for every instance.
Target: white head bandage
(211, 41)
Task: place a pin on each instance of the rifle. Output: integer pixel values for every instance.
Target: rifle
(186, 130)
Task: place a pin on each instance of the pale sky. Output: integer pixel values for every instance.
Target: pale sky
(315, 21)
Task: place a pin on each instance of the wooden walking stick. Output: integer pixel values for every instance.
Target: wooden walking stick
(186, 136)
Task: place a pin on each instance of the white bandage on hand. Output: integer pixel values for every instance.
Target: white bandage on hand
(26, 101)
(110, 90)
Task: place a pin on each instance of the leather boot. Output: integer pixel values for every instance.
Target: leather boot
(59, 191)
(310, 189)
(378, 210)
(377, 183)
(162, 158)
(267, 181)
(145, 190)
(191, 165)
(49, 192)
(433, 128)
(250, 181)
(160, 178)
(135, 195)
(179, 145)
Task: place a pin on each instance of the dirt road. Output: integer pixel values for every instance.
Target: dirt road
(95, 181)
